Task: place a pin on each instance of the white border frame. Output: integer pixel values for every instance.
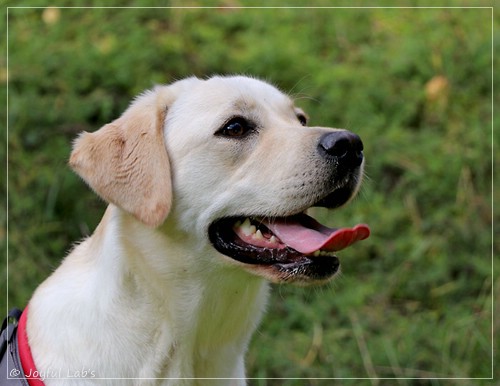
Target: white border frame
(273, 7)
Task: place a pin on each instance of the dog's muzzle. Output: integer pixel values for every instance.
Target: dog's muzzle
(296, 247)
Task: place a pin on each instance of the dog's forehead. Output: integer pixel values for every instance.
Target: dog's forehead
(241, 93)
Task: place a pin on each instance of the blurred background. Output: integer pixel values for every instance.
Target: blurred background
(415, 300)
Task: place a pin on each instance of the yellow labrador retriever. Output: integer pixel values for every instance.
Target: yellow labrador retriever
(208, 182)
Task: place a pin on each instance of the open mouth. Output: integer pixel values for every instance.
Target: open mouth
(297, 247)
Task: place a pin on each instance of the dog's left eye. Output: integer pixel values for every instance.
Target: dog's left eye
(302, 119)
(237, 127)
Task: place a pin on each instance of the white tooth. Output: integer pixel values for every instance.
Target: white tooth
(317, 253)
(273, 240)
(237, 224)
(246, 227)
(253, 229)
(258, 235)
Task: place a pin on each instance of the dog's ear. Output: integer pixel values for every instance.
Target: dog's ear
(126, 162)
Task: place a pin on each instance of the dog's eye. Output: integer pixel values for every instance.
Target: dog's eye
(302, 119)
(237, 127)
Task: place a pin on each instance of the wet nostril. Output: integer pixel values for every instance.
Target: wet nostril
(340, 148)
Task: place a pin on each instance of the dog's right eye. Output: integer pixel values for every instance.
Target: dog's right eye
(237, 127)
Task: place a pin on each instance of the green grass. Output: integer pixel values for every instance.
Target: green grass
(415, 299)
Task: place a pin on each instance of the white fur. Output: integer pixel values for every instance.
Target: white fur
(159, 306)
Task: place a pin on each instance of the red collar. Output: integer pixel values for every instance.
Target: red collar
(27, 362)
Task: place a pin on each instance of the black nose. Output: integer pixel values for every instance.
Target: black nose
(343, 147)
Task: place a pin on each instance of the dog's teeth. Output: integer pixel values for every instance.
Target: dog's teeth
(258, 235)
(247, 228)
(237, 224)
(273, 240)
(317, 253)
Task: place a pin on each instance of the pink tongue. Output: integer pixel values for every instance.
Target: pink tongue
(313, 236)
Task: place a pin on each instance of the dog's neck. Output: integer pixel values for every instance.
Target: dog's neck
(189, 315)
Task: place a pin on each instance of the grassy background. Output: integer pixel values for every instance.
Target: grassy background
(415, 300)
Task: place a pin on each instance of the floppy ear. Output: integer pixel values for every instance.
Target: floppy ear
(126, 162)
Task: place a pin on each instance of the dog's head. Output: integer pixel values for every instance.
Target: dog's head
(233, 161)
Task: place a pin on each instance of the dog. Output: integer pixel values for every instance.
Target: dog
(208, 182)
